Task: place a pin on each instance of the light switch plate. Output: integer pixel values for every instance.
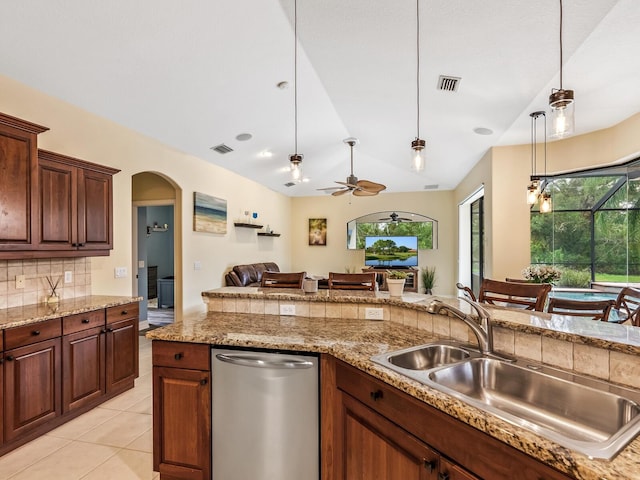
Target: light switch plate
(68, 276)
(120, 272)
(19, 281)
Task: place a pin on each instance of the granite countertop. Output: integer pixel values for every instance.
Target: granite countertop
(355, 341)
(17, 316)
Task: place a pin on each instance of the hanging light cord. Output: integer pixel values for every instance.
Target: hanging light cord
(418, 66)
(533, 145)
(295, 73)
(560, 45)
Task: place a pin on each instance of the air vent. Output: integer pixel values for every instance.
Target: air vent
(448, 84)
(222, 149)
(289, 184)
(433, 186)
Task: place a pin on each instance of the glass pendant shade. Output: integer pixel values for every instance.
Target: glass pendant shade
(532, 192)
(296, 167)
(562, 113)
(417, 155)
(545, 203)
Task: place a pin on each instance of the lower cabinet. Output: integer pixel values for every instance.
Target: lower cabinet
(33, 384)
(380, 432)
(122, 354)
(1, 398)
(182, 410)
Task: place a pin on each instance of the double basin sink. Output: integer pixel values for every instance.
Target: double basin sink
(589, 416)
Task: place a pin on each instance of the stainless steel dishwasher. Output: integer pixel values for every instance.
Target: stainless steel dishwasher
(265, 415)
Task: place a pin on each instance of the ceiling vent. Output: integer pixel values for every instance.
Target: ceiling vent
(433, 186)
(448, 84)
(222, 149)
(289, 184)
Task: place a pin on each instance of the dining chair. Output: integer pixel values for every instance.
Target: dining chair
(282, 279)
(628, 304)
(529, 296)
(352, 281)
(593, 309)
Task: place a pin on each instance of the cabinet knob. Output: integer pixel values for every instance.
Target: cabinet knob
(85, 320)
(204, 381)
(443, 476)
(104, 330)
(124, 312)
(9, 358)
(109, 329)
(429, 465)
(35, 333)
(376, 395)
(81, 244)
(178, 356)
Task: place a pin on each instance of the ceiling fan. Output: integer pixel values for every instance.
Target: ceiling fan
(394, 217)
(359, 188)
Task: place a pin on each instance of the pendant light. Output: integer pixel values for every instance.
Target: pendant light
(534, 193)
(561, 103)
(418, 145)
(295, 159)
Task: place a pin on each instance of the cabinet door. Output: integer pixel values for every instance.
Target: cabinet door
(95, 210)
(122, 354)
(182, 423)
(58, 205)
(375, 448)
(451, 471)
(32, 387)
(1, 399)
(18, 184)
(83, 360)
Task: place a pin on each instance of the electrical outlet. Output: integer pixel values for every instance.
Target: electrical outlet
(197, 265)
(140, 263)
(120, 272)
(68, 277)
(19, 281)
(287, 309)
(374, 313)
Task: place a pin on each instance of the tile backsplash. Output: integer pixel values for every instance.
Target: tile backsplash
(36, 287)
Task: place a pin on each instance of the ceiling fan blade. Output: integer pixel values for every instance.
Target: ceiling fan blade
(371, 186)
(340, 192)
(330, 188)
(347, 184)
(360, 192)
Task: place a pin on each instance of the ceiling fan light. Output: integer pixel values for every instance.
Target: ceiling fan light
(562, 113)
(418, 155)
(295, 162)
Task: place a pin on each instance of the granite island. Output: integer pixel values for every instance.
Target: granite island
(332, 323)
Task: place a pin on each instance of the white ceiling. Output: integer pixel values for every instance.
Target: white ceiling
(196, 73)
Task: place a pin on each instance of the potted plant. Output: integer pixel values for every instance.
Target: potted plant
(395, 282)
(428, 275)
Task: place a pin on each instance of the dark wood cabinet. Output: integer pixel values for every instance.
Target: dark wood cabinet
(76, 205)
(1, 397)
(181, 410)
(18, 185)
(382, 419)
(83, 360)
(32, 387)
(121, 347)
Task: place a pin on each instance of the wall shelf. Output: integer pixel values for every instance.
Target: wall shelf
(247, 225)
(265, 234)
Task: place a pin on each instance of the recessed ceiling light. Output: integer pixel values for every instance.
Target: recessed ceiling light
(483, 131)
(266, 154)
(306, 180)
(243, 137)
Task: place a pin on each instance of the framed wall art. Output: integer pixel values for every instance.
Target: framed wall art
(209, 214)
(318, 231)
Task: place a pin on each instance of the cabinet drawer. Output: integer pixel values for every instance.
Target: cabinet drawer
(181, 355)
(82, 321)
(122, 312)
(32, 333)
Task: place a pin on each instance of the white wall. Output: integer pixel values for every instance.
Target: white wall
(80, 134)
(339, 210)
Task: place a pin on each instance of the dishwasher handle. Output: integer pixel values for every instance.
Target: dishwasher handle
(257, 361)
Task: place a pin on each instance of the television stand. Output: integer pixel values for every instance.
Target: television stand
(410, 283)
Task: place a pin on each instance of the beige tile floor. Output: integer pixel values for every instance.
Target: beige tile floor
(112, 441)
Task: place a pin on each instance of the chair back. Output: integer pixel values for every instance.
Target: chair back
(282, 279)
(352, 281)
(593, 309)
(530, 296)
(628, 303)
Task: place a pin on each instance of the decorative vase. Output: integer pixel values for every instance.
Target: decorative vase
(52, 299)
(428, 291)
(395, 286)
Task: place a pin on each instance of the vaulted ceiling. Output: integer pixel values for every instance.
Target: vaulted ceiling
(198, 73)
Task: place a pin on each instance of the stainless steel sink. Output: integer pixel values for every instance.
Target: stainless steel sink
(426, 357)
(593, 417)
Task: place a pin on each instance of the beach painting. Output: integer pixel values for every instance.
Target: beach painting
(209, 214)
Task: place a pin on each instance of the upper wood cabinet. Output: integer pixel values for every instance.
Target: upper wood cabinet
(18, 184)
(76, 204)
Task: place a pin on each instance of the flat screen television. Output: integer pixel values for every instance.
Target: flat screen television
(391, 251)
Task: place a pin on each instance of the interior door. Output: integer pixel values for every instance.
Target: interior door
(477, 244)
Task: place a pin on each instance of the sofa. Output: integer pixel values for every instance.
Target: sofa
(249, 275)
